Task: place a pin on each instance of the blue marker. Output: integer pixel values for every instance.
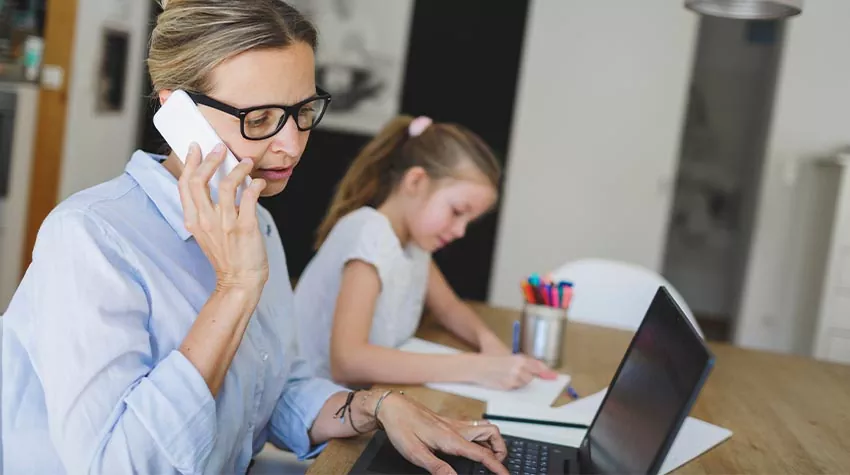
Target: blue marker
(516, 337)
(572, 392)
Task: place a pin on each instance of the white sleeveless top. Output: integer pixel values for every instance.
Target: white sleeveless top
(366, 235)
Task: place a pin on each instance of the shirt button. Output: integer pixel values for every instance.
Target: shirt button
(265, 356)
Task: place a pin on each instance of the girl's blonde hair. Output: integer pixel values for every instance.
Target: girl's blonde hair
(380, 166)
(192, 37)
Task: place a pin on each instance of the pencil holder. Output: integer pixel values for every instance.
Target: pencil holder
(542, 333)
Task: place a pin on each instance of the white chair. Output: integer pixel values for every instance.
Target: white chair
(614, 294)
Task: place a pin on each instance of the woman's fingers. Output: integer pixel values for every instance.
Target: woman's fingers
(430, 462)
(199, 183)
(248, 206)
(472, 451)
(227, 192)
(487, 434)
(190, 211)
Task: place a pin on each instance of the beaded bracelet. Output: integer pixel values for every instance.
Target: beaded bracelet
(340, 413)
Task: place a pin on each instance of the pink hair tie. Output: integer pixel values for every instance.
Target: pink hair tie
(418, 125)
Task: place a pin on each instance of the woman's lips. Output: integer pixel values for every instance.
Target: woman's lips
(276, 174)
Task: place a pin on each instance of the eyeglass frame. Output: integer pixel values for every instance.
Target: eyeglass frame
(288, 111)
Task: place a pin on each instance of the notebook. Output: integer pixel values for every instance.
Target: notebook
(538, 392)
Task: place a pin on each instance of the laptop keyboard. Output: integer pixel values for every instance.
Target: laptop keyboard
(524, 458)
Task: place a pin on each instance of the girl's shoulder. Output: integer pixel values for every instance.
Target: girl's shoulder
(367, 235)
(365, 224)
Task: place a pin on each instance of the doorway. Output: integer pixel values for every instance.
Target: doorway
(720, 166)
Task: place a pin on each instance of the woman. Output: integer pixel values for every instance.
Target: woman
(141, 339)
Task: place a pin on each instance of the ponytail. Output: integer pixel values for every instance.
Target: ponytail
(364, 183)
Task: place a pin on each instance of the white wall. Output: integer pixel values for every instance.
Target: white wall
(98, 144)
(811, 119)
(596, 134)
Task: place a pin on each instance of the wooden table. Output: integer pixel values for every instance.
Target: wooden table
(788, 414)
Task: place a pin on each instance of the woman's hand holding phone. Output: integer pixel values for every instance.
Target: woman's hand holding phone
(227, 233)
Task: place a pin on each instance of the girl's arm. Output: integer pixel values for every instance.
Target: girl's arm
(458, 317)
(355, 361)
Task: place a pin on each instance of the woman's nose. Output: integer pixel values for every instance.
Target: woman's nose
(288, 139)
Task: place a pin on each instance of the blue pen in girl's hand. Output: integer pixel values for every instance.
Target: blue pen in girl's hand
(516, 337)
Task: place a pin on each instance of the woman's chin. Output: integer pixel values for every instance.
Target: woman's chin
(274, 188)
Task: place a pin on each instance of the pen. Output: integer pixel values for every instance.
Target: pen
(538, 295)
(572, 392)
(527, 292)
(516, 337)
(569, 425)
(561, 295)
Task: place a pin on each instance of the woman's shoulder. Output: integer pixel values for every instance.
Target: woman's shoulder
(94, 213)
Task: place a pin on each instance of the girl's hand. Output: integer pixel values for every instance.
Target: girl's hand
(228, 234)
(490, 344)
(508, 372)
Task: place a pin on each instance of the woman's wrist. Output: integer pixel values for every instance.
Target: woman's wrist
(363, 406)
(247, 284)
(241, 294)
(371, 409)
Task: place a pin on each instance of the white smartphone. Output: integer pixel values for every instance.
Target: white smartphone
(181, 123)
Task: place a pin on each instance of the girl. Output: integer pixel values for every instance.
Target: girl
(410, 192)
(141, 339)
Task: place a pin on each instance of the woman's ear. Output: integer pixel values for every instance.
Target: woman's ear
(415, 181)
(164, 95)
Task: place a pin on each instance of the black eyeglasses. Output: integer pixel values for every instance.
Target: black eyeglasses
(262, 122)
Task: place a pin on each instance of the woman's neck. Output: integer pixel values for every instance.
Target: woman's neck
(394, 212)
(173, 164)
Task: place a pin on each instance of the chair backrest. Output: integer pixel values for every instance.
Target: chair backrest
(614, 294)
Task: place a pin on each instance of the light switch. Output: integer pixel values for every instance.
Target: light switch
(52, 77)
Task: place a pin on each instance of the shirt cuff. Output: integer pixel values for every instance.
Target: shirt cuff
(296, 411)
(175, 406)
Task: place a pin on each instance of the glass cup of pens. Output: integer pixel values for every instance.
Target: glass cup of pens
(544, 318)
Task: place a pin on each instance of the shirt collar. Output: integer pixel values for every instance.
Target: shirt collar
(161, 187)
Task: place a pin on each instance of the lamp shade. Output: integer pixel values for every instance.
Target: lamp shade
(747, 9)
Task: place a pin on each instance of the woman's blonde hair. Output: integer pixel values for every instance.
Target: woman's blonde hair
(383, 162)
(192, 37)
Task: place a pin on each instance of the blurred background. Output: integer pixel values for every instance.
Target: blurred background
(706, 148)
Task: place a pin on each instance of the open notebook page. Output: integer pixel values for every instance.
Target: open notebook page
(537, 393)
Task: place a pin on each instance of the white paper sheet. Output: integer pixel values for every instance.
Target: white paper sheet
(538, 392)
(694, 438)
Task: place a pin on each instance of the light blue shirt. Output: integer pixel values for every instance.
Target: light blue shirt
(92, 378)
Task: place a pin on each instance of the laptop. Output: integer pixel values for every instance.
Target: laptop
(651, 394)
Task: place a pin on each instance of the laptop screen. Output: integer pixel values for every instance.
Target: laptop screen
(650, 395)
